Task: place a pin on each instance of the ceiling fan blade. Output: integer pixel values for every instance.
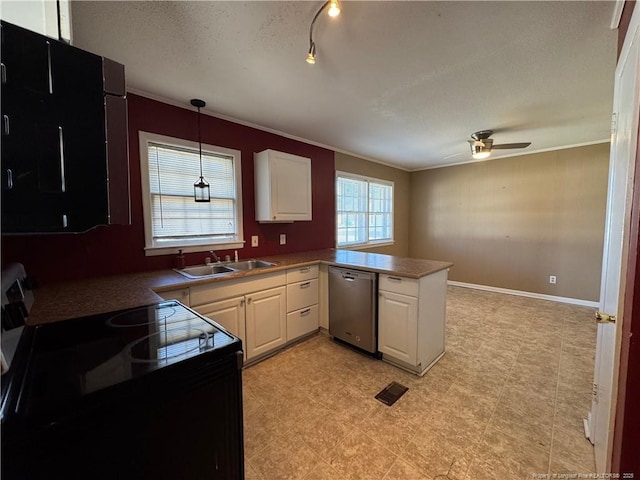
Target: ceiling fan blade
(503, 146)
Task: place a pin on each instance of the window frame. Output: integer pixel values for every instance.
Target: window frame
(151, 248)
(368, 243)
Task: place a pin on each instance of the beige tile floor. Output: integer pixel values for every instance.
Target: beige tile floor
(505, 402)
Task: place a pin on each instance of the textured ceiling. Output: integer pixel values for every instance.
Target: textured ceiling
(403, 83)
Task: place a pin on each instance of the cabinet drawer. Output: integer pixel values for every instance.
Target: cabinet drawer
(302, 294)
(301, 274)
(403, 285)
(182, 295)
(302, 322)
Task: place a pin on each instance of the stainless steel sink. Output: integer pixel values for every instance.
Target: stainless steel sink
(249, 264)
(204, 271)
(214, 269)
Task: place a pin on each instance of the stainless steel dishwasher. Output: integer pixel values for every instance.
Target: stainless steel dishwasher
(352, 307)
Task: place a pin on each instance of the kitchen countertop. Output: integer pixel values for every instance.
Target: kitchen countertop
(86, 297)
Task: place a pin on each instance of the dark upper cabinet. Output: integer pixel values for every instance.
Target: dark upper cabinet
(64, 137)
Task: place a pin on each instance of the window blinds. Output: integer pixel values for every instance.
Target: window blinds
(175, 214)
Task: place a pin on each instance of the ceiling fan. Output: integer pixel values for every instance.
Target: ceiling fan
(481, 145)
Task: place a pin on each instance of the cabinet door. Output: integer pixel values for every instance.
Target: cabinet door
(26, 61)
(291, 187)
(266, 321)
(398, 326)
(228, 313)
(283, 187)
(54, 174)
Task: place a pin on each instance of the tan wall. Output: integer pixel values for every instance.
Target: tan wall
(511, 223)
(350, 164)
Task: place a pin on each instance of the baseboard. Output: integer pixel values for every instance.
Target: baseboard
(552, 298)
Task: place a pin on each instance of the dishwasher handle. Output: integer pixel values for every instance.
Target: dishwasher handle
(348, 277)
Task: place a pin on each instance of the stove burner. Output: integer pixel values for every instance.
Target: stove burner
(140, 316)
(166, 344)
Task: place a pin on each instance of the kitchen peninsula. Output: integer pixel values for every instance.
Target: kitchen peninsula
(411, 297)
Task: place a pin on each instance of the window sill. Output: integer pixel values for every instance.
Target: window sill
(365, 246)
(155, 251)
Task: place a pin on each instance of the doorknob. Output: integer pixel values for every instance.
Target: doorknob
(605, 318)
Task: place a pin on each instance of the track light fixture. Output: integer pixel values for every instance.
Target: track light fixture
(201, 192)
(334, 11)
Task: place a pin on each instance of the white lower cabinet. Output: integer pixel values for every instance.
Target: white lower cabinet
(254, 310)
(266, 321)
(411, 320)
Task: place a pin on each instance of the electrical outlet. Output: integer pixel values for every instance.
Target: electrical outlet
(283, 239)
(254, 240)
(552, 279)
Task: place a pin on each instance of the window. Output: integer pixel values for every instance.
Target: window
(364, 210)
(172, 219)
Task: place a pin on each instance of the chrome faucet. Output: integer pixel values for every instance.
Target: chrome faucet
(214, 256)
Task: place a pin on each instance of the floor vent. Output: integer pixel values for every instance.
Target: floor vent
(391, 393)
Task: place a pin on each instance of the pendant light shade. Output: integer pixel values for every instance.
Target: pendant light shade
(201, 190)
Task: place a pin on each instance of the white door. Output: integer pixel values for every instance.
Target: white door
(621, 173)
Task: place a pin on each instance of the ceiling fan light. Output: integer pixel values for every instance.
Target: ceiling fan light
(480, 152)
(334, 8)
(481, 155)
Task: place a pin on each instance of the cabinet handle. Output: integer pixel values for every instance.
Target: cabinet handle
(242, 303)
(65, 221)
(305, 312)
(3, 72)
(305, 284)
(63, 185)
(249, 300)
(49, 68)
(5, 124)
(397, 279)
(9, 178)
(305, 269)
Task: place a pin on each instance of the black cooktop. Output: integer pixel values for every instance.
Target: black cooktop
(71, 360)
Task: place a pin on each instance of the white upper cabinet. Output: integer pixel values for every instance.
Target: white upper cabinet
(282, 187)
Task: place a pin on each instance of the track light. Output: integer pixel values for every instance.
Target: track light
(334, 11)
(334, 8)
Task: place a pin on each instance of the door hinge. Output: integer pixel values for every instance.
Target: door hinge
(594, 392)
(614, 123)
(602, 317)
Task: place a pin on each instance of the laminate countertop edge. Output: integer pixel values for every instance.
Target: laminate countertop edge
(81, 298)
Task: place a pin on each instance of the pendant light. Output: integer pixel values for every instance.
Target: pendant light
(201, 192)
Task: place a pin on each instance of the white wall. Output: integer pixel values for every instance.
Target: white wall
(40, 16)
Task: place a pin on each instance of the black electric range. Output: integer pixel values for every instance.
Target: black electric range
(151, 392)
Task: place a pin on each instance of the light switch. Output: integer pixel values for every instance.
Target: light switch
(283, 239)
(254, 240)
